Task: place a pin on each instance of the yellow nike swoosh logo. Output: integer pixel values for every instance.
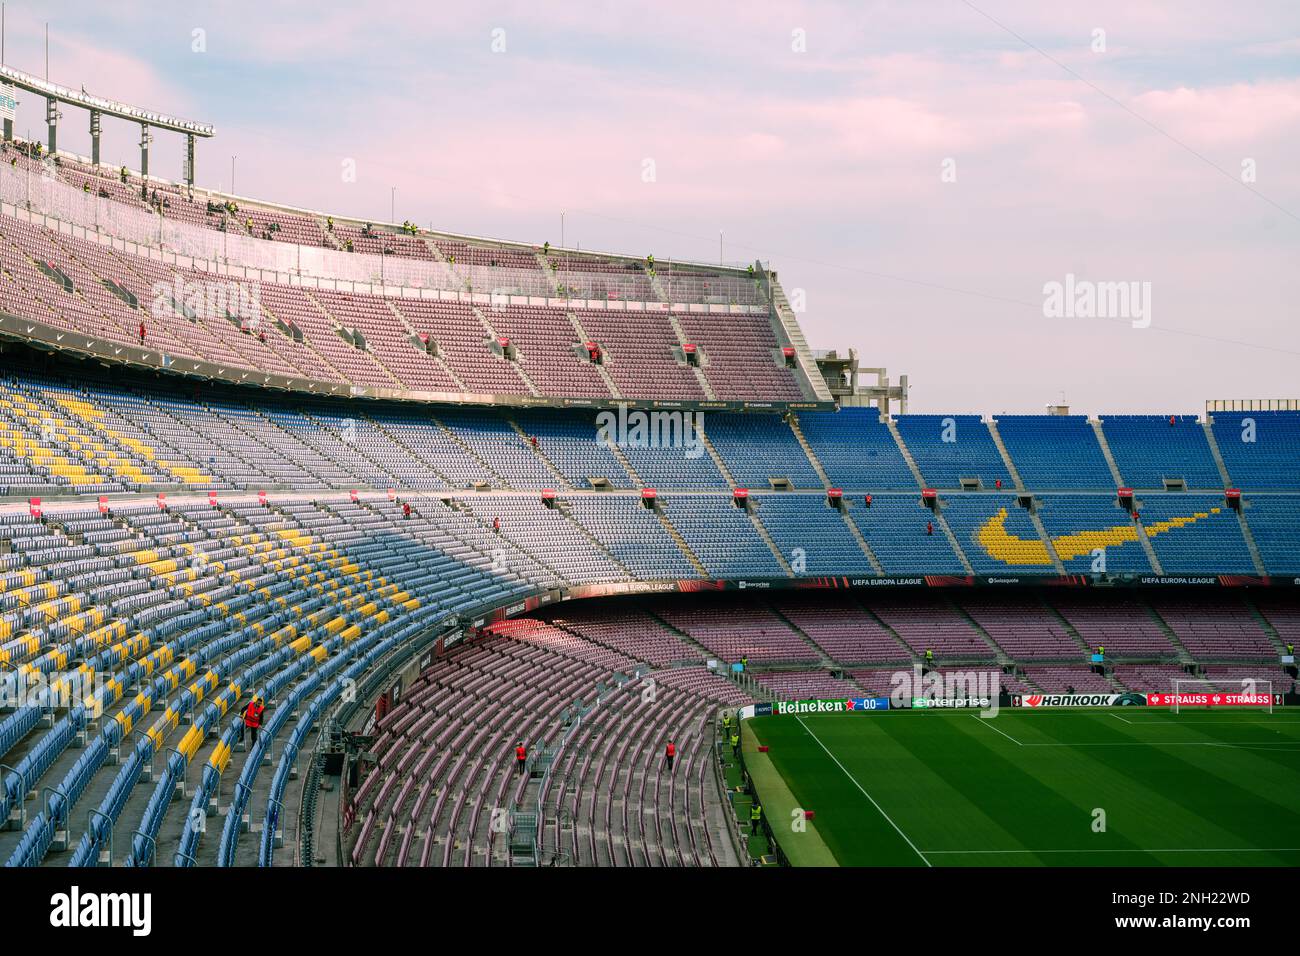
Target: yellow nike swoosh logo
(1001, 545)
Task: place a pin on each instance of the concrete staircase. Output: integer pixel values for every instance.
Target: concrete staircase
(1006, 455)
(717, 459)
(767, 539)
(1184, 656)
(470, 452)
(823, 659)
(627, 466)
(1279, 644)
(594, 637)
(786, 326)
(942, 523)
(1208, 427)
(493, 336)
(903, 449)
(545, 266)
(906, 650)
(681, 543)
(550, 465)
(433, 249)
(697, 369)
(661, 293)
(860, 539)
(681, 635)
(600, 369)
(1105, 452)
(396, 382)
(1002, 656)
(302, 439)
(274, 323)
(409, 450)
(390, 480)
(436, 359)
(563, 509)
(328, 233)
(793, 421)
(438, 256)
(1065, 625)
(1145, 540)
(254, 441)
(1047, 539)
(1255, 557)
(486, 525)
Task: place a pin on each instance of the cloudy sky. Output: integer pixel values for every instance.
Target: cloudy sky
(919, 171)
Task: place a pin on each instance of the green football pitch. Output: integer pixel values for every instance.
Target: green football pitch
(1130, 787)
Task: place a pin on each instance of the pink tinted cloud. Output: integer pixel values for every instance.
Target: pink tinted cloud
(1235, 114)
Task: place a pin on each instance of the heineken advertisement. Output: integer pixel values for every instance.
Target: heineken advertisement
(840, 706)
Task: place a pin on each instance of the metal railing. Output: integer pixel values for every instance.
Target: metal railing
(152, 234)
(1213, 405)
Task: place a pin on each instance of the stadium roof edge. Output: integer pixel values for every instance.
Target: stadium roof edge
(512, 244)
(32, 84)
(38, 335)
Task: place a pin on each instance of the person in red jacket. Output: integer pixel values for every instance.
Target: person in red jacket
(142, 333)
(253, 718)
(929, 527)
(669, 753)
(521, 756)
(406, 509)
(496, 525)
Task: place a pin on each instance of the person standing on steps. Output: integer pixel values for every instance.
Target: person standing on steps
(253, 718)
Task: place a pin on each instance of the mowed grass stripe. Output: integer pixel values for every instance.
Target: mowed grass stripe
(803, 846)
(862, 790)
(1149, 795)
(1273, 739)
(954, 787)
(1183, 789)
(1224, 796)
(1246, 751)
(1036, 797)
(856, 833)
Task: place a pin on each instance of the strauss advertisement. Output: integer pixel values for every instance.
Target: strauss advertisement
(1211, 700)
(1208, 699)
